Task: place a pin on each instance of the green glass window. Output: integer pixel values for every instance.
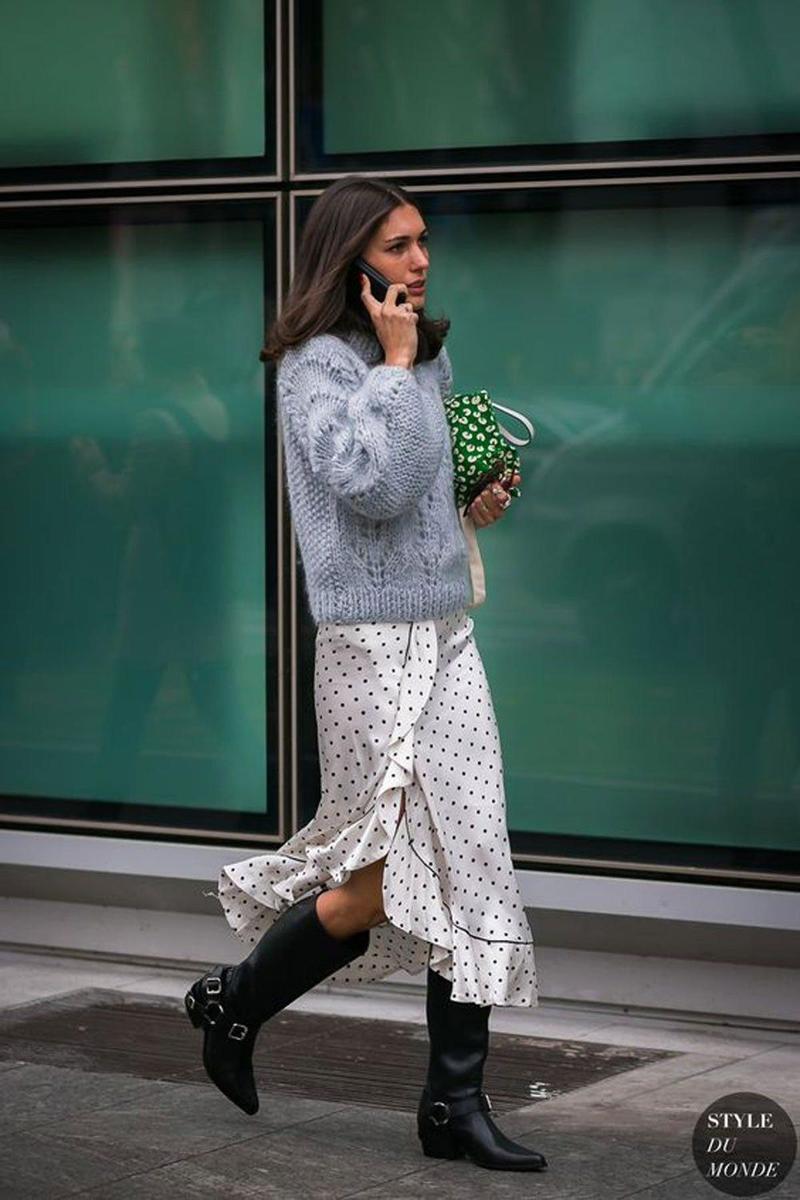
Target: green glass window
(463, 75)
(133, 659)
(129, 81)
(640, 628)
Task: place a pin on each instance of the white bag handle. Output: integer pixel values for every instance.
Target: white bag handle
(515, 441)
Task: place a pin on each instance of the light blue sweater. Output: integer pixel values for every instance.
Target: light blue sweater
(370, 475)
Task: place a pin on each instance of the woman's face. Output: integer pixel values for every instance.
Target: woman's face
(399, 250)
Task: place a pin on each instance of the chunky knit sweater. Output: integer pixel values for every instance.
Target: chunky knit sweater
(370, 475)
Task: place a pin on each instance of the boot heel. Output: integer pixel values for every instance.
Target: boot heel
(439, 1143)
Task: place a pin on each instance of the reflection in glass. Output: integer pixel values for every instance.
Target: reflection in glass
(131, 442)
(177, 81)
(575, 71)
(641, 623)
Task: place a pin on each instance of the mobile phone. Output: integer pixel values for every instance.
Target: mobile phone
(379, 284)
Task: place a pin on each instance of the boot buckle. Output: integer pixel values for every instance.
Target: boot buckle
(439, 1113)
(212, 985)
(489, 1104)
(237, 1031)
(217, 1009)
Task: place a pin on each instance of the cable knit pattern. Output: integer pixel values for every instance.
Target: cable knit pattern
(369, 469)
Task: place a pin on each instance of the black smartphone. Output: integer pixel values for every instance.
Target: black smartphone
(379, 284)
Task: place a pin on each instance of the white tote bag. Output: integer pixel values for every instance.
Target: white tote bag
(477, 573)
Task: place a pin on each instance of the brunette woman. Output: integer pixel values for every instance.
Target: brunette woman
(406, 863)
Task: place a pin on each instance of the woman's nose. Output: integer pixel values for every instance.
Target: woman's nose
(420, 258)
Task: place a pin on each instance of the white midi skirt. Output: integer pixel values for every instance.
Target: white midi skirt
(404, 709)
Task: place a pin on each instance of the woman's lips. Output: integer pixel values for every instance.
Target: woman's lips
(416, 287)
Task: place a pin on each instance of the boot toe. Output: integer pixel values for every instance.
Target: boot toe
(488, 1146)
(233, 1076)
(244, 1098)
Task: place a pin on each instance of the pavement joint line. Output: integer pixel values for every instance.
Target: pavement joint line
(86, 1113)
(648, 1186)
(425, 1169)
(244, 1141)
(17, 1064)
(742, 1058)
(144, 1082)
(685, 1025)
(574, 1098)
(202, 1153)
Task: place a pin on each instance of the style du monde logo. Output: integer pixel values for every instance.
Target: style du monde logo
(744, 1144)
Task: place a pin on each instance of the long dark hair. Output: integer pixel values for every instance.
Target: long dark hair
(325, 295)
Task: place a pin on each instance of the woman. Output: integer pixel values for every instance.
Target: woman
(406, 863)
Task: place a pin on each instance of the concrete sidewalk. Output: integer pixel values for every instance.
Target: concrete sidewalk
(65, 1132)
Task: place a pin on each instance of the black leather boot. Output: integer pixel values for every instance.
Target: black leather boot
(453, 1118)
(233, 1002)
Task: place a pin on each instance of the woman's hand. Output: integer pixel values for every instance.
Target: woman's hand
(395, 324)
(492, 502)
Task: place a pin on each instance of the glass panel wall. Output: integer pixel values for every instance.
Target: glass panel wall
(639, 621)
(133, 551)
(640, 617)
(178, 82)
(511, 81)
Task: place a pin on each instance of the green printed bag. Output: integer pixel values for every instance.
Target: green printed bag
(483, 449)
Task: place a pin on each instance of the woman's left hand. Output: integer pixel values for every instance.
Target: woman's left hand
(492, 502)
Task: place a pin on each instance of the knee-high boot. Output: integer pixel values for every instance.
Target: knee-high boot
(231, 1003)
(453, 1117)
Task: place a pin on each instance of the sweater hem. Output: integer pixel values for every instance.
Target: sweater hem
(364, 604)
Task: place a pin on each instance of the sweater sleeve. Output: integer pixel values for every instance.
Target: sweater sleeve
(376, 444)
(445, 372)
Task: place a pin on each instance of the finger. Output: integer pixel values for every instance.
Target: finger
(366, 295)
(391, 293)
(486, 506)
(493, 498)
(501, 489)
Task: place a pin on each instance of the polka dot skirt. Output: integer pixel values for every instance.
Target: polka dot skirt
(404, 711)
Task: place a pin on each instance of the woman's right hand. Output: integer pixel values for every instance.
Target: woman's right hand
(395, 324)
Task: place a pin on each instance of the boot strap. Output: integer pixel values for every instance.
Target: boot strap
(440, 1111)
(213, 1010)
